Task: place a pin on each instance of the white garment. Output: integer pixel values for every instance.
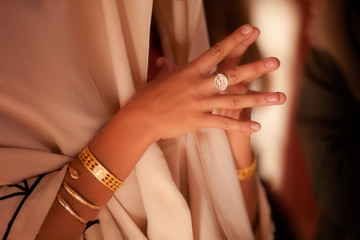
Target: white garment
(65, 69)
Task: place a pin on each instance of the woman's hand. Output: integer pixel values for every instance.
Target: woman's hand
(177, 102)
(230, 62)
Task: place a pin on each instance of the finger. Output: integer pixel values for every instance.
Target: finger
(236, 89)
(238, 52)
(246, 73)
(165, 67)
(244, 100)
(227, 123)
(242, 48)
(208, 60)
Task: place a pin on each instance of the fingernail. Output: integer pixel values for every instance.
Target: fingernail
(270, 64)
(255, 126)
(272, 98)
(245, 30)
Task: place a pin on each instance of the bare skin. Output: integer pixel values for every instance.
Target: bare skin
(154, 113)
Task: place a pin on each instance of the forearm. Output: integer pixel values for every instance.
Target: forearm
(59, 224)
(241, 147)
(118, 146)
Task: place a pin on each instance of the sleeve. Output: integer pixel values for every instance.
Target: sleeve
(25, 205)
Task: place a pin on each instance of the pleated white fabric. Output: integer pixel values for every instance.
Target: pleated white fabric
(65, 69)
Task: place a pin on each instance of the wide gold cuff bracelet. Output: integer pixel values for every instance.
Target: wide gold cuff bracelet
(98, 170)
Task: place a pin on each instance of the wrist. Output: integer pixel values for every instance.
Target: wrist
(240, 144)
(122, 141)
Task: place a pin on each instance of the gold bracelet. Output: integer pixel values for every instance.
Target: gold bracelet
(69, 209)
(73, 173)
(245, 173)
(98, 170)
(78, 197)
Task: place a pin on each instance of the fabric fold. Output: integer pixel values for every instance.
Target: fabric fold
(218, 165)
(167, 211)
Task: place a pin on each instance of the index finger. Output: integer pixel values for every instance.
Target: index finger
(208, 60)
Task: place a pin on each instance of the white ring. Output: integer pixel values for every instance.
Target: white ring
(221, 81)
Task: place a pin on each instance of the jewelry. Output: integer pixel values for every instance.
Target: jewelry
(221, 81)
(73, 173)
(245, 173)
(78, 197)
(69, 209)
(98, 170)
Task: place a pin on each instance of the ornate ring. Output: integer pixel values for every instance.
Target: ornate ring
(221, 81)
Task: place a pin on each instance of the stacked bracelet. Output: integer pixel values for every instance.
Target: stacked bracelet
(245, 173)
(98, 170)
(69, 209)
(73, 173)
(78, 197)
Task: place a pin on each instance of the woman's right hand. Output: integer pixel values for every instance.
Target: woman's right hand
(180, 101)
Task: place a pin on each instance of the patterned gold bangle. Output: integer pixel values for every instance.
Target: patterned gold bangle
(78, 197)
(245, 173)
(98, 170)
(69, 209)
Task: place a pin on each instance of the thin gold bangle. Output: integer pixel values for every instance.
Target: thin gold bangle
(79, 197)
(73, 173)
(98, 170)
(69, 209)
(245, 173)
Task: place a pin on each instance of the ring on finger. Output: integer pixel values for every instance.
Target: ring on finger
(221, 82)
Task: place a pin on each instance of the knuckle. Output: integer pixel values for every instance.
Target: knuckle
(197, 88)
(217, 50)
(235, 101)
(242, 125)
(226, 123)
(258, 99)
(187, 67)
(233, 74)
(257, 68)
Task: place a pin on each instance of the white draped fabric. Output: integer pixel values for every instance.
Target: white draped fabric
(65, 68)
